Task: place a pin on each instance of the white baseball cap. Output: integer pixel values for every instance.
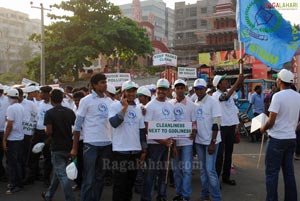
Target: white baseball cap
(200, 84)
(111, 89)
(217, 79)
(37, 148)
(286, 76)
(179, 81)
(1, 87)
(30, 89)
(12, 93)
(163, 83)
(143, 91)
(129, 85)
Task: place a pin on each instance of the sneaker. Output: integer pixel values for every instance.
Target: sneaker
(13, 190)
(44, 196)
(177, 198)
(297, 157)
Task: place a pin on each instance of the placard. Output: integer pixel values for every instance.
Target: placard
(187, 72)
(164, 130)
(117, 79)
(165, 59)
(26, 82)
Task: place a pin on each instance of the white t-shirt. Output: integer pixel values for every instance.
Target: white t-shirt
(184, 112)
(4, 103)
(286, 104)
(95, 127)
(229, 110)
(42, 109)
(15, 113)
(159, 111)
(206, 110)
(126, 137)
(30, 116)
(69, 103)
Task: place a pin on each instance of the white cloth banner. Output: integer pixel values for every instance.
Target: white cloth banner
(164, 130)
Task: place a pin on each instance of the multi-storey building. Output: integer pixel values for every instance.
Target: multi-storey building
(15, 29)
(157, 13)
(206, 26)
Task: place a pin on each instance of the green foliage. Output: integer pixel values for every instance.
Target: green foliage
(10, 78)
(96, 27)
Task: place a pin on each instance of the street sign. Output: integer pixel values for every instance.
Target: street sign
(187, 72)
(165, 59)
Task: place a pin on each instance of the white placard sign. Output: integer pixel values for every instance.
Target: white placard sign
(165, 59)
(26, 82)
(164, 130)
(117, 79)
(187, 72)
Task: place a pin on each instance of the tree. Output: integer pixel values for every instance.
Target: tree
(96, 26)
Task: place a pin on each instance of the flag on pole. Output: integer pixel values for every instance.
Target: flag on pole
(266, 34)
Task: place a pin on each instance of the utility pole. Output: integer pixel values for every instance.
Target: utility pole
(42, 75)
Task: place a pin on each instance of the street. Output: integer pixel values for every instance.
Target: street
(250, 181)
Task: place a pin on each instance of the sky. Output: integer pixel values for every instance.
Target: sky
(24, 6)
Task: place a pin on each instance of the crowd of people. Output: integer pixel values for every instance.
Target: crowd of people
(105, 130)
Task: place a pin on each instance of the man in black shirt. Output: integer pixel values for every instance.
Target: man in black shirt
(58, 122)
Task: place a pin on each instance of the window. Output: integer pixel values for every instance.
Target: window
(191, 24)
(179, 24)
(203, 23)
(204, 10)
(190, 35)
(193, 11)
(179, 12)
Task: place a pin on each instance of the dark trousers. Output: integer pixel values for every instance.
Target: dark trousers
(2, 169)
(224, 156)
(78, 180)
(124, 173)
(26, 153)
(40, 136)
(297, 151)
(14, 155)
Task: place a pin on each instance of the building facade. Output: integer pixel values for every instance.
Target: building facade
(157, 13)
(15, 29)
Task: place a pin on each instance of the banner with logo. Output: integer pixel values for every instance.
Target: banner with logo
(267, 36)
(187, 72)
(164, 130)
(117, 79)
(165, 59)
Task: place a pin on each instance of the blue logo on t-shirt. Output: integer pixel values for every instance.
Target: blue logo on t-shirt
(178, 111)
(102, 107)
(131, 114)
(200, 114)
(165, 111)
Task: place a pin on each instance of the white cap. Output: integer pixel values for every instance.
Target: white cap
(12, 93)
(217, 79)
(200, 84)
(208, 90)
(1, 87)
(61, 89)
(179, 81)
(30, 89)
(163, 83)
(143, 91)
(38, 147)
(111, 88)
(286, 76)
(190, 88)
(129, 85)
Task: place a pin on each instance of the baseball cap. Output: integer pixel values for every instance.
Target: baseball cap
(30, 89)
(129, 85)
(111, 88)
(200, 84)
(143, 91)
(179, 81)
(12, 93)
(1, 87)
(286, 76)
(163, 83)
(217, 79)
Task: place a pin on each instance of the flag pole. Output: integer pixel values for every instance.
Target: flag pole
(168, 164)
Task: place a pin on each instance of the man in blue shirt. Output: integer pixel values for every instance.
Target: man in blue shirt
(257, 100)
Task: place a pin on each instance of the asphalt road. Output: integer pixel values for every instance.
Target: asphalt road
(250, 181)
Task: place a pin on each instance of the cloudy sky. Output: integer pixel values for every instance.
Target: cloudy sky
(24, 6)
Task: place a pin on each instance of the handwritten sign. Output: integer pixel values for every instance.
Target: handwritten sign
(165, 59)
(187, 72)
(164, 130)
(117, 79)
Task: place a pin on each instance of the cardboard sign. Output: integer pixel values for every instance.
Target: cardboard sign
(117, 79)
(165, 59)
(258, 122)
(164, 130)
(187, 72)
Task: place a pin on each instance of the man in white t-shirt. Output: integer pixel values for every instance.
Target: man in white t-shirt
(158, 109)
(128, 140)
(208, 115)
(229, 122)
(281, 126)
(13, 142)
(92, 123)
(4, 103)
(184, 111)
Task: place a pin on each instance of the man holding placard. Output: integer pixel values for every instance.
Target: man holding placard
(208, 115)
(158, 109)
(184, 111)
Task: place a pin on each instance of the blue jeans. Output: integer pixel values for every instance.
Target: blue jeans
(182, 167)
(208, 174)
(280, 153)
(60, 160)
(95, 162)
(14, 156)
(156, 166)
